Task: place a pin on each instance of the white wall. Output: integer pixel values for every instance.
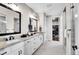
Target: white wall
(64, 30)
(41, 20)
(68, 24)
(76, 19)
(46, 23)
(45, 29)
(49, 28)
(26, 12)
(61, 29)
(42, 23)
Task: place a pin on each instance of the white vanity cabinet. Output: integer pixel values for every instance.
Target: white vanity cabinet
(41, 38)
(28, 47)
(38, 40)
(25, 47)
(36, 43)
(18, 49)
(32, 44)
(6, 51)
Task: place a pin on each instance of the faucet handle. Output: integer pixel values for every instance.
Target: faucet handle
(11, 37)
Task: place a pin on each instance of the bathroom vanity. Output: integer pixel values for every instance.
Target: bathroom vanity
(22, 46)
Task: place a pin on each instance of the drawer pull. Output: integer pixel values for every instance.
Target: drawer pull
(4, 53)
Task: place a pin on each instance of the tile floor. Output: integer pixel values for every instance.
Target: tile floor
(50, 48)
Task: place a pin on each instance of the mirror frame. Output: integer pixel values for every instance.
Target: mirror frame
(31, 22)
(3, 34)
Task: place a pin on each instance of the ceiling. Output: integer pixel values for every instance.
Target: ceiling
(53, 9)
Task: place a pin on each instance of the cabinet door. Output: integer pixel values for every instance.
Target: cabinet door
(6, 51)
(35, 44)
(14, 52)
(38, 41)
(20, 51)
(32, 45)
(41, 38)
(17, 49)
(28, 47)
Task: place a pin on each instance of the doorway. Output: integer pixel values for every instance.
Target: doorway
(55, 29)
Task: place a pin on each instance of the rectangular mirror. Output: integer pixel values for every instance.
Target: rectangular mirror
(33, 24)
(10, 21)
